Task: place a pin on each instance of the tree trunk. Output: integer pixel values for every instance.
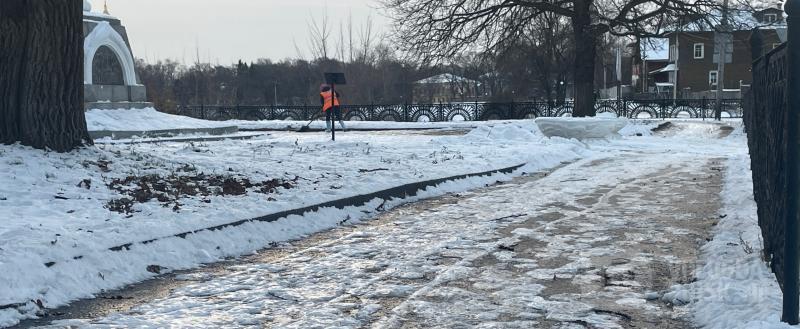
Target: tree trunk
(585, 55)
(41, 84)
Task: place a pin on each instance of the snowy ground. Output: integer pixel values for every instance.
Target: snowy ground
(55, 205)
(571, 249)
(149, 119)
(53, 218)
(143, 119)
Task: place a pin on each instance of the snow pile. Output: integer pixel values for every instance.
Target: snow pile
(319, 124)
(55, 205)
(144, 120)
(581, 128)
(521, 131)
(640, 127)
(734, 288)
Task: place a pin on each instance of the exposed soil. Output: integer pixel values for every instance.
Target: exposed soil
(169, 190)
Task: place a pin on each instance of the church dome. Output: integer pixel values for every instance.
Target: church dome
(87, 6)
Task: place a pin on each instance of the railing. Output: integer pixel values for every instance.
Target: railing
(765, 120)
(772, 119)
(666, 108)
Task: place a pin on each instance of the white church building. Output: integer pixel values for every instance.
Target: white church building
(109, 77)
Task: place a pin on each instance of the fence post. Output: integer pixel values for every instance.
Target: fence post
(703, 108)
(792, 266)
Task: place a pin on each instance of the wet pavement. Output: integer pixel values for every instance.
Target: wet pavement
(590, 245)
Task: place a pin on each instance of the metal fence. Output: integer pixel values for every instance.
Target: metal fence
(765, 118)
(772, 119)
(666, 108)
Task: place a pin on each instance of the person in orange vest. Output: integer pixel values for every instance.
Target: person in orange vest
(330, 105)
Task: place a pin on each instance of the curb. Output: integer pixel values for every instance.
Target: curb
(122, 134)
(402, 191)
(182, 140)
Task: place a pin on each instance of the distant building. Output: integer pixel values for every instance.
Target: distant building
(109, 77)
(446, 88)
(692, 60)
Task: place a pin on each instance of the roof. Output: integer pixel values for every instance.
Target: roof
(445, 78)
(668, 68)
(766, 4)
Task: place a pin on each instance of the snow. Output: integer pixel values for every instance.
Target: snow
(150, 119)
(446, 78)
(370, 276)
(731, 292)
(50, 218)
(147, 119)
(735, 288)
(582, 128)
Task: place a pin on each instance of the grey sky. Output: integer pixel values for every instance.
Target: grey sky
(227, 30)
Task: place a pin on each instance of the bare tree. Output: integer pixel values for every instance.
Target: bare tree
(319, 36)
(41, 74)
(366, 37)
(436, 30)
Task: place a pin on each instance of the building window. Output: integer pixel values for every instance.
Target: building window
(712, 78)
(770, 18)
(699, 51)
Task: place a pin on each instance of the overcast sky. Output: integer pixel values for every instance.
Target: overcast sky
(229, 30)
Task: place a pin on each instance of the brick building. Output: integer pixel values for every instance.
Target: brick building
(692, 60)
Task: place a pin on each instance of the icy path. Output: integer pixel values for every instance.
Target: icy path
(586, 246)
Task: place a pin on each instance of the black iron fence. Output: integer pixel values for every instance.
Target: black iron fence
(666, 108)
(765, 118)
(772, 116)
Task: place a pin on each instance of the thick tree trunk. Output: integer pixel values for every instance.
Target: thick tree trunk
(585, 55)
(41, 74)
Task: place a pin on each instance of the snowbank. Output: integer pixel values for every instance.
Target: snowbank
(143, 120)
(581, 128)
(360, 125)
(734, 287)
(150, 119)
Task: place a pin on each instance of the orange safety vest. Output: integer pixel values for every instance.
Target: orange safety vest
(329, 100)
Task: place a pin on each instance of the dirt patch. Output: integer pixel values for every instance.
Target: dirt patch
(663, 127)
(725, 131)
(169, 190)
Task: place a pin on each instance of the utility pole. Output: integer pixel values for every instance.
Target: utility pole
(618, 72)
(677, 60)
(644, 75)
(275, 93)
(721, 43)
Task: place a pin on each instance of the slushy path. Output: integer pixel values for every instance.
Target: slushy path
(589, 245)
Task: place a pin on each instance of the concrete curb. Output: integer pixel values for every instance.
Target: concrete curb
(398, 192)
(402, 191)
(182, 140)
(162, 133)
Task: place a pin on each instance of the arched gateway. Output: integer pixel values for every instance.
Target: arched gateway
(109, 77)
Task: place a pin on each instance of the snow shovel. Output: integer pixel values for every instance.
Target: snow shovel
(306, 128)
